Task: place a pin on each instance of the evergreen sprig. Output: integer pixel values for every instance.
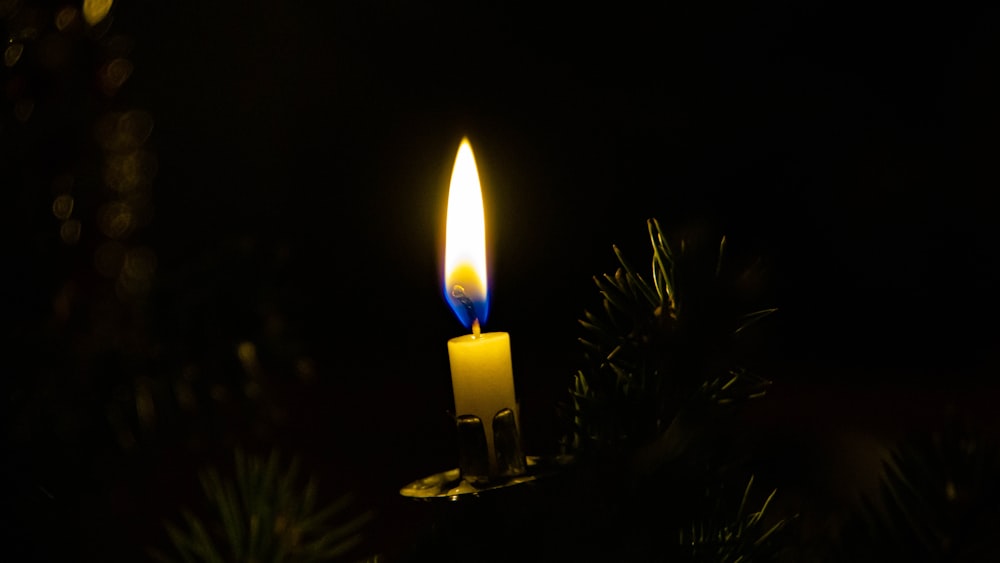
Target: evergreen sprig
(739, 536)
(938, 500)
(659, 343)
(265, 514)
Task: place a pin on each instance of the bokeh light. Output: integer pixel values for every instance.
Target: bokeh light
(12, 54)
(247, 353)
(115, 219)
(138, 266)
(94, 11)
(136, 275)
(70, 231)
(305, 369)
(125, 172)
(114, 75)
(62, 206)
(65, 17)
(121, 131)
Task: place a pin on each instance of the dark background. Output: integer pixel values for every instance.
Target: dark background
(303, 153)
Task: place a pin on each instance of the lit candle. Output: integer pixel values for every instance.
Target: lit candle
(482, 377)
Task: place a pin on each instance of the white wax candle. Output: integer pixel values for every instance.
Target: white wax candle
(482, 379)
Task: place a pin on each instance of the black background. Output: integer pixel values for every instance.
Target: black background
(304, 152)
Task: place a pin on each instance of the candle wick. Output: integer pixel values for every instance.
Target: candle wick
(458, 293)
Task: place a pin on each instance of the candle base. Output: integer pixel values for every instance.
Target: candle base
(475, 462)
(452, 486)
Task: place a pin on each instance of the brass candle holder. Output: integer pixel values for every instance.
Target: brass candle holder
(474, 460)
(476, 472)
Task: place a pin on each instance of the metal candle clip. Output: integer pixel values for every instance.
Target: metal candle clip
(475, 465)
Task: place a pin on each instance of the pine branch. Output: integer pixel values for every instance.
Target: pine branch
(938, 500)
(658, 344)
(724, 537)
(265, 515)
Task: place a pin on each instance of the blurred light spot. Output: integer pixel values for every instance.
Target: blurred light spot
(185, 395)
(950, 492)
(124, 131)
(62, 303)
(128, 287)
(96, 10)
(124, 172)
(252, 389)
(137, 269)
(219, 393)
(115, 219)
(114, 74)
(109, 258)
(23, 109)
(65, 17)
(247, 353)
(69, 231)
(305, 368)
(62, 207)
(190, 372)
(144, 402)
(12, 54)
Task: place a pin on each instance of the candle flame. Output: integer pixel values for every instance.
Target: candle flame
(465, 242)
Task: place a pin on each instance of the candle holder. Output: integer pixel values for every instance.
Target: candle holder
(475, 463)
(450, 485)
(476, 472)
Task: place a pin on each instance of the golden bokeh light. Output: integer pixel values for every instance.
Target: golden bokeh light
(305, 369)
(62, 206)
(246, 351)
(219, 393)
(94, 11)
(65, 17)
(115, 219)
(12, 54)
(70, 230)
(186, 397)
(62, 302)
(127, 171)
(136, 275)
(122, 131)
(139, 263)
(114, 75)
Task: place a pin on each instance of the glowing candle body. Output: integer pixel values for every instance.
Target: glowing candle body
(482, 376)
(482, 379)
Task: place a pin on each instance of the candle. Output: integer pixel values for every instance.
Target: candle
(482, 376)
